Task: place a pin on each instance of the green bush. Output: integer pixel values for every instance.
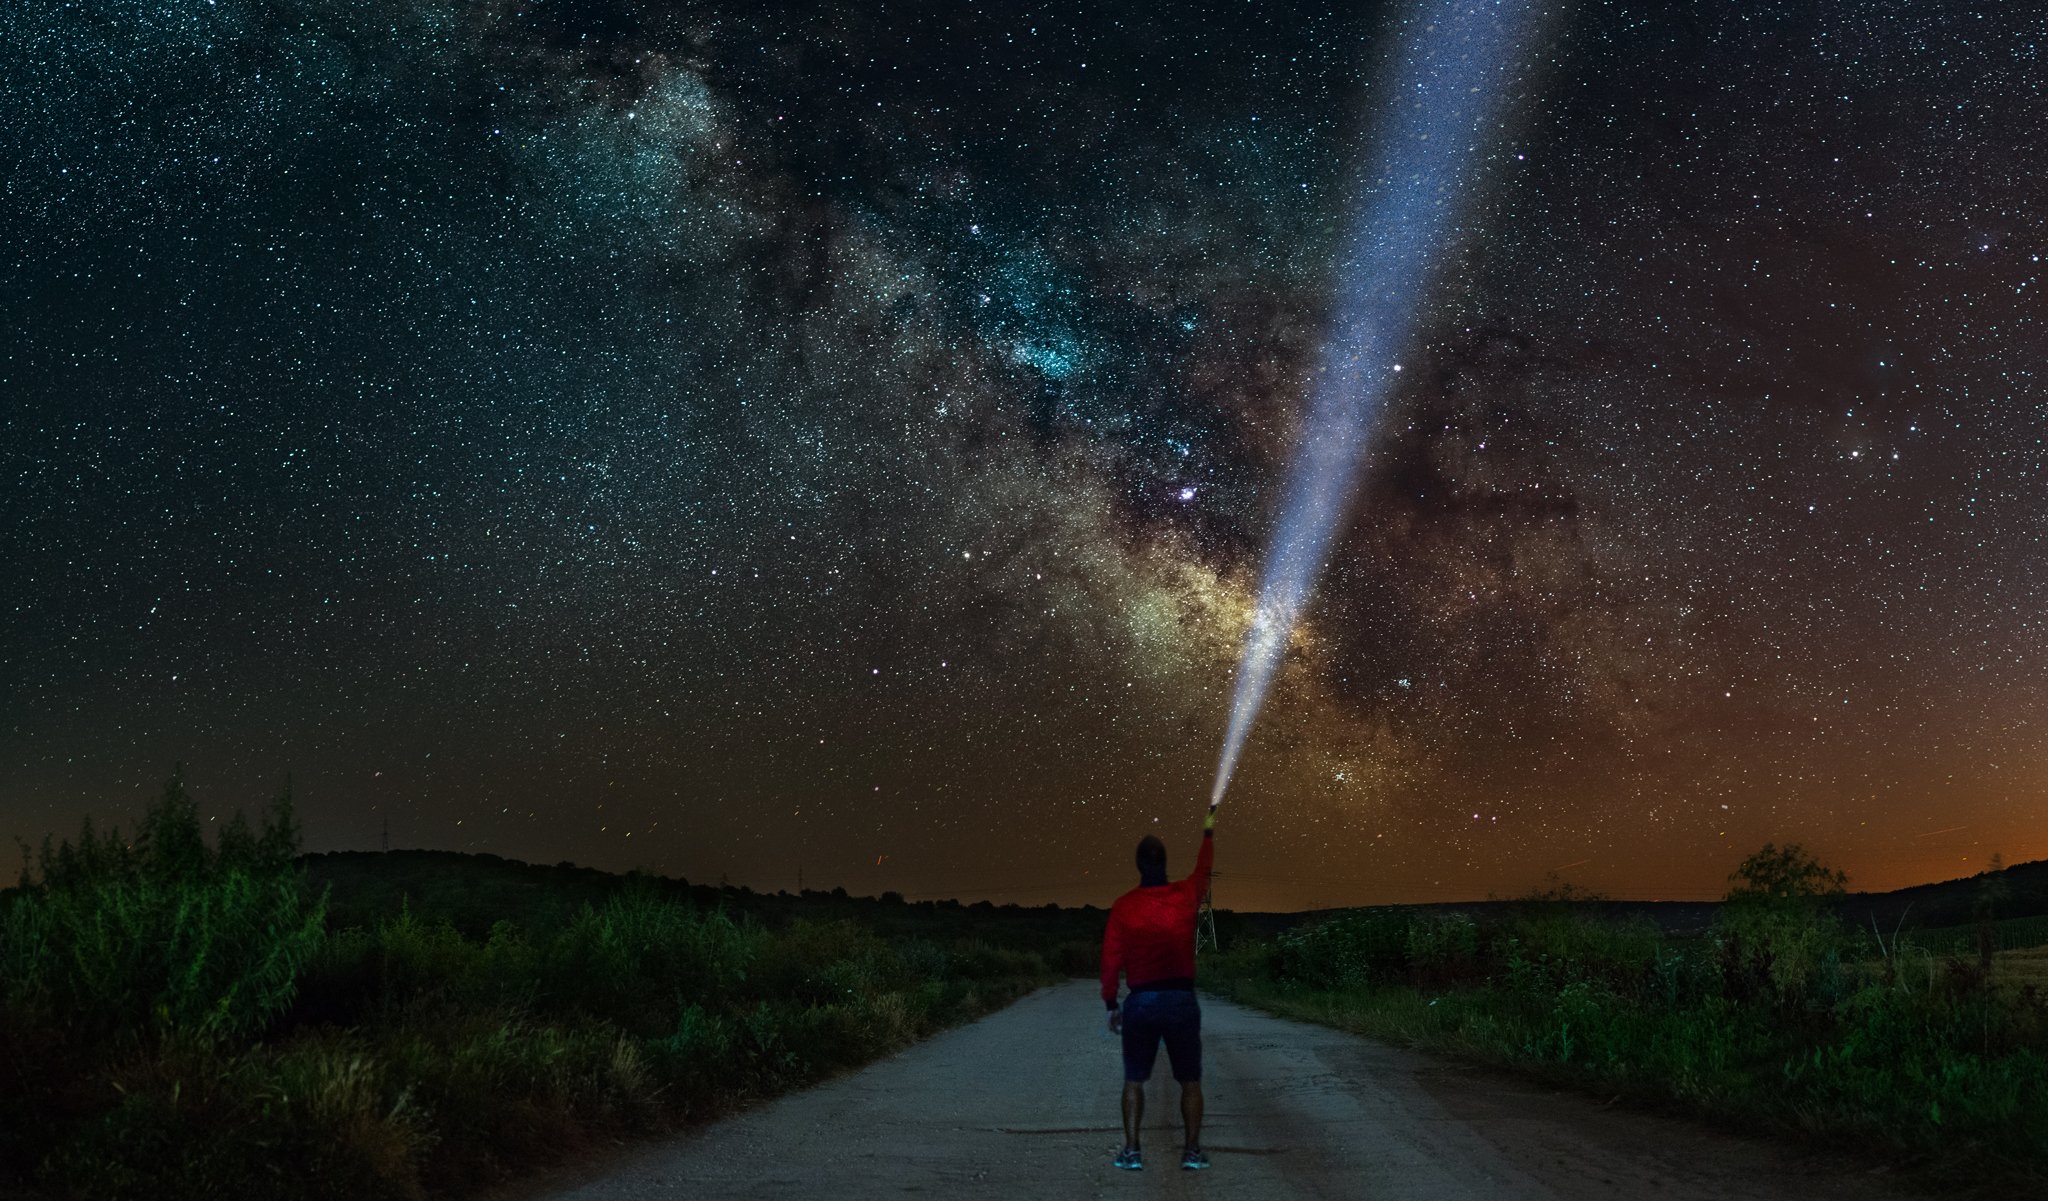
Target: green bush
(177, 1020)
(161, 937)
(186, 1121)
(502, 1090)
(215, 957)
(633, 959)
(1353, 949)
(693, 1056)
(1077, 957)
(1777, 935)
(1769, 1018)
(974, 959)
(1443, 946)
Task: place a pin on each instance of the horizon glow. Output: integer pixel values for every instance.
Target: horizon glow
(1450, 74)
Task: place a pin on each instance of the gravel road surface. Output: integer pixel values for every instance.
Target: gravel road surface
(1023, 1104)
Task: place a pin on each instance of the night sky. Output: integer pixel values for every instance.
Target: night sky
(737, 439)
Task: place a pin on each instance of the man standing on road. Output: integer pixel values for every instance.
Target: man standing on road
(1151, 940)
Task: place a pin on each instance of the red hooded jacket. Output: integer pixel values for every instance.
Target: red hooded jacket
(1151, 932)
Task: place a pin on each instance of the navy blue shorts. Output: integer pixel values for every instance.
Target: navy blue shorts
(1170, 1015)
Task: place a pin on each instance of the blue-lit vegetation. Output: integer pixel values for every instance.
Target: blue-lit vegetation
(179, 1019)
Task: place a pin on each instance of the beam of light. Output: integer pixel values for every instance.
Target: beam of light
(1448, 82)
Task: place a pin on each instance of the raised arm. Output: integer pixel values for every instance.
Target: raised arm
(1198, 880)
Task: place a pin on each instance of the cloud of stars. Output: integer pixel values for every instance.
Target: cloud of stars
(736, 442)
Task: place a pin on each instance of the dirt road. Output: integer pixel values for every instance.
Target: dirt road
(1023, 1104)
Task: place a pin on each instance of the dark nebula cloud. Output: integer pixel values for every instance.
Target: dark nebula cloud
(733, 439)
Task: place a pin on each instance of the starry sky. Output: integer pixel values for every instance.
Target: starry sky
(748, 439)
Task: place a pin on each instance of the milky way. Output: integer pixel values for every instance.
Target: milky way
(739, 441)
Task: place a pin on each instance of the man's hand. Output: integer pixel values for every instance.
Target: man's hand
(1209, 822)
(1116, 1020)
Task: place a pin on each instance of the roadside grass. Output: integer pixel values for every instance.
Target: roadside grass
(2013, 973)
(2013, 934)
(180, 1020)
(1778, 1019)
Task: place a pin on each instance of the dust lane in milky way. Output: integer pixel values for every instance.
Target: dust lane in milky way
(744, 442)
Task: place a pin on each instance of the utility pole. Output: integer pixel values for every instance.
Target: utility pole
(1205, 921)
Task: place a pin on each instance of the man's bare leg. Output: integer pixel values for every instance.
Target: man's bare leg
(1134, 1113)
(1191, 1113)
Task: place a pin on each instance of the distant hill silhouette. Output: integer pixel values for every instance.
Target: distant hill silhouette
(474, 890)
(1921, 907)
(1951, 902)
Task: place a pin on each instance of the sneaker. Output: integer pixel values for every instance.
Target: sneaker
(1194, 1160)
(1130, 1160)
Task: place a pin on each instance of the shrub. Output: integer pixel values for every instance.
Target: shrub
(183, 1120)
(177, 1021)
(1550, 948)
(503, 1090)
(977, 960)
(1443, 947)
(1077, 957)
(1777, 937)
(1354, 948)
(160, 937)
(1767, 1019)
(693, 1056)
(215, 958)
(634, 958)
